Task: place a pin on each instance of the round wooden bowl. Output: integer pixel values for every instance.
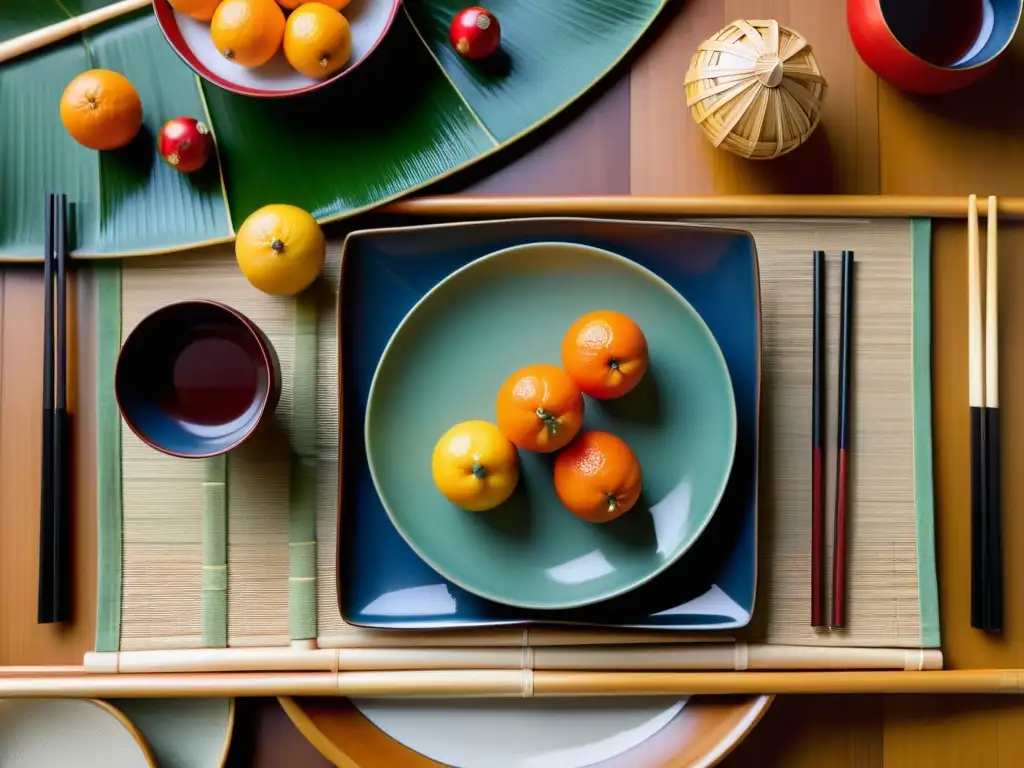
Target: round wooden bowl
(190, 39)
(700, 735)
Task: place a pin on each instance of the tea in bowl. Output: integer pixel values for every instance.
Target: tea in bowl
(194, 379)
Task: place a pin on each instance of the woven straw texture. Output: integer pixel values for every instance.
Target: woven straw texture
(756, 89)
(276, 484)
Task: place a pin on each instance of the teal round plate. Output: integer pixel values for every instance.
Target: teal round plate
(445, 363)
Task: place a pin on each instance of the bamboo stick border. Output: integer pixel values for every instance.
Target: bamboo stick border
(74, 25)
(722, 206)
(710, 656)
(768, 206)
(510, 683)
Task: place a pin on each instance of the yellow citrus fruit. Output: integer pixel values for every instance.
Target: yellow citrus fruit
(280, 249)
(247, 32)
(475, 466)
(197, 9)
(335, 4)
(317, 40)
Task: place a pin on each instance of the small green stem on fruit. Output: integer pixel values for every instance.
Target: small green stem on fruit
(613, 503)
(550, 420)
(479, 471)
(614, 365)
(277, 246)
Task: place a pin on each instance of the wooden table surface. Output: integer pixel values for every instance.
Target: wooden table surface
(635, 136)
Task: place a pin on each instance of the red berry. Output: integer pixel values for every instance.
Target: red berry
(185, 143)
(475, 33)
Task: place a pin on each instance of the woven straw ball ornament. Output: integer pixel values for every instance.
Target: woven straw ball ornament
(756, 89)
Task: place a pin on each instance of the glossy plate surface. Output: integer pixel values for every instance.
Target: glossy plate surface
(383, 583)
(503, 733)
(445, 364)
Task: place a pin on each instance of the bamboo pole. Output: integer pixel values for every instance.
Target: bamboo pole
(40, 38)
(979, 681)
(708, 656)
(510, 684)
(508, 637)
(811, 206)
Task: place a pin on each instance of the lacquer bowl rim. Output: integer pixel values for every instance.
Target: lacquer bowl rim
(267, 360)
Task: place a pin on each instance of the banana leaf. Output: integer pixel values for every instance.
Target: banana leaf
(413, 113)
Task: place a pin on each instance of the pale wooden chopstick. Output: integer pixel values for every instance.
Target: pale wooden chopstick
(983, 362)
(976, 399)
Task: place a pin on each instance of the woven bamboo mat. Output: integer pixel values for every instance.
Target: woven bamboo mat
(241, 552)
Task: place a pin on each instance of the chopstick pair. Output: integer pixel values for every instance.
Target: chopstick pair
(819, 606)
(54, 603)
(983, 354)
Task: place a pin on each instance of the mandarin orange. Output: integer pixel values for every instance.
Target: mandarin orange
(540, 408)
(101, 109)
(605, 352)
(248, 32)
(317, 40)
(598, 477)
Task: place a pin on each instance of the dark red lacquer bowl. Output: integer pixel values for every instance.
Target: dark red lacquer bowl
(196, 378)
(370, 21)
(932, 46)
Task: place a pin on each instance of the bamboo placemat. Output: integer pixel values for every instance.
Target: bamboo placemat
(241, 551)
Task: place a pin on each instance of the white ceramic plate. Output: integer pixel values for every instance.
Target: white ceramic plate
(369, 19)
(509, 733)
(57, 733)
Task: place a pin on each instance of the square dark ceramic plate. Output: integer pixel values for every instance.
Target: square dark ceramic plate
(382, 583)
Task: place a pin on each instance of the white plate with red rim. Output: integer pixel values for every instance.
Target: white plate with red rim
(370, 21)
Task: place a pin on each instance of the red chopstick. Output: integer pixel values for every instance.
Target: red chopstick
(843, 458)
(818, 606)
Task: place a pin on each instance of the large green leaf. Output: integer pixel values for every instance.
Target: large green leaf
(413, 113)
(552, 50)
(341, 149)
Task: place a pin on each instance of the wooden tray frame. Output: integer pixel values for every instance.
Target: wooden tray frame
(76, 682)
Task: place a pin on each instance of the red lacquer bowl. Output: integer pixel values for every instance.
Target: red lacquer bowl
(932, 46)
(370, 21)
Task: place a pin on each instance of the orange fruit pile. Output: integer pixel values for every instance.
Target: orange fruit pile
(540, 408)
(315, 37)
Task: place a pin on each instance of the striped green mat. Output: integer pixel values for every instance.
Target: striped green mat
(194, 553)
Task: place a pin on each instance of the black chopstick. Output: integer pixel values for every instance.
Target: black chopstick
(993, 599)
(976, 396)
(843, 452)
(818, 446)
(47, 506)
(54, 602)
(61, 435)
